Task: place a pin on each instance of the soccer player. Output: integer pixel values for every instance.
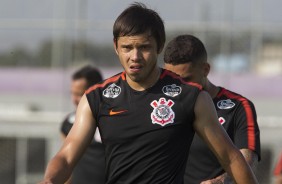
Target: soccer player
(146, 115)
(91, 167)
(186, 56)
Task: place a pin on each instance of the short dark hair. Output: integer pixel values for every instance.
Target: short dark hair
(138, 19)
(185, 49)
(90, 73)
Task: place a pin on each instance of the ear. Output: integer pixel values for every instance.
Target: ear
(115, 45)
(206, 69)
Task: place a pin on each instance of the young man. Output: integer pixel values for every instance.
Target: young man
(146, 115)
(91, 167)
(186, 56)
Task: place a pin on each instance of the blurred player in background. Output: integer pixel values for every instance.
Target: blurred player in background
(186, 56)
(91, 167)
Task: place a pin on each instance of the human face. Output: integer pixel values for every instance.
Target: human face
(189, 72)
(78, 88)
(138, 55)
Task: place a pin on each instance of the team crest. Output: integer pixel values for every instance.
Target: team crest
(171, 90)
(162, 113)
(225, 104)
(112, 91)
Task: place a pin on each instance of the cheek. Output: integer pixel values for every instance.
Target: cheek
(124, 59)
(78, 98)
(151, 58)
(75, 97)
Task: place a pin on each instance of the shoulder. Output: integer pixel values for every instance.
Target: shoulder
(105, 83)
(231, 96)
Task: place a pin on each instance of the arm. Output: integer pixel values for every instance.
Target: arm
(246, 137)
(207, 126)
(61, 165)
(64, 130)
(251, 158)
(64, 138)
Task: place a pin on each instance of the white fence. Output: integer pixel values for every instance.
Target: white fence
(45, 126)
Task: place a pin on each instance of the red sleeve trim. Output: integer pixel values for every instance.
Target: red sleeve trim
(112, 79)
(123, 77)
(250, 118)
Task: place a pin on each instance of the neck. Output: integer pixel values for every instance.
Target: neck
(148, 82)
(211, 89)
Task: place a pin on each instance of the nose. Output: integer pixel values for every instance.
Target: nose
(136, 55)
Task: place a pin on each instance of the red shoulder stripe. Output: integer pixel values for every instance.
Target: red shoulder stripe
(173, 75)
(112, 79)
(250, 118)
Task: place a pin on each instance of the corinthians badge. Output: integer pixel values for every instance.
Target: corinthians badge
(162, 113)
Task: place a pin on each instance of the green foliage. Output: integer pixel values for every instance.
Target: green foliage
(60, 53)
(16, 57)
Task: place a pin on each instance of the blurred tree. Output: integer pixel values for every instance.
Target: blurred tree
(16, 57)
(44, 54)
(69, 52)
(66, 52)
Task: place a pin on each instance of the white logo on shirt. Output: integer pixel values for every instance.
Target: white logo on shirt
(172, 90)
(225, 104)
(112, 91)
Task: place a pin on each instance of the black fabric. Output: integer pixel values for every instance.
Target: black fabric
(238, 117)
(148, 140)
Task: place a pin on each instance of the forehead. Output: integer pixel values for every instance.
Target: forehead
(141, 38)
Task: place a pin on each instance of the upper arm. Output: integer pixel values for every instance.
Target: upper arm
(247, 134)
(81, 133)
(208, 128)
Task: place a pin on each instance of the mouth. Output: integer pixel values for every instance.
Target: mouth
(135, 68)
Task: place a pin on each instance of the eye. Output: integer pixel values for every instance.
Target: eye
(126, 48)
(145, 47)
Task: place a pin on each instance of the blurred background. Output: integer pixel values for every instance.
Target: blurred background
(43, 42)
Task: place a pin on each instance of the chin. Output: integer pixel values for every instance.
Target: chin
(135, 78)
